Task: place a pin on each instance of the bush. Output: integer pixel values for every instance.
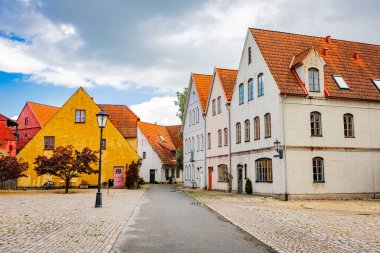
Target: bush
(132, 176)
(248, 186)
(140, 182)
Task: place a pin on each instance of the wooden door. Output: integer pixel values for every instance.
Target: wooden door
(152, 176)
(118, 177)
(210, 178)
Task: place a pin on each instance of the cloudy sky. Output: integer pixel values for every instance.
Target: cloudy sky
(139, 53)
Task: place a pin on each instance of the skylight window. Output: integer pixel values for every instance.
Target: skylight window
(377, 83)
(341, 83)
(161, 137)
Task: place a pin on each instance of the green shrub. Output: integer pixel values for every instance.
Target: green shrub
(248, 186)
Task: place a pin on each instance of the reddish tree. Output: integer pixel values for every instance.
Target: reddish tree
(12, 168)
(132, 176)
(67, 163)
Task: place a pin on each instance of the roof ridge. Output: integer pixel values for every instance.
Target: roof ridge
(226, 69)
(313, 36)
(42, 104)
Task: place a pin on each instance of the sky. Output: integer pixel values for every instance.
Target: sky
(140, 53)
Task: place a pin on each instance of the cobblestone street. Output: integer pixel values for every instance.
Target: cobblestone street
(56, 222)
(301, 226)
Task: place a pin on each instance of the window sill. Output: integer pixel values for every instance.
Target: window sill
(316, 136)
(264, 181)
(349, 137)
(318, 182)
(248, 141)
(48, 148)
(266, 137)
(80, 122)
(238, 142)
(257, 139)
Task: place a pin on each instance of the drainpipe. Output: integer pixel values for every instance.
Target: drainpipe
(228, 106)
(204, 149)
(284, 138)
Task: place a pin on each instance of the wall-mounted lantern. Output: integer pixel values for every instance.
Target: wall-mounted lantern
(278, 149)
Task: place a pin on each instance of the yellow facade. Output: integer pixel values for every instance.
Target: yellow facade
(133, 142)
(62, 126)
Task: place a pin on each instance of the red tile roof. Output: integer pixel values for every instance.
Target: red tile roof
(123, 118)
(152, 133)
(174, 132)
(279, 48)
(227, 78)
(202, 84)
(43, 112)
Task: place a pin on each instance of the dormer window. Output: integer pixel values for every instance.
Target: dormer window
(249, 56)
(314, 80)
(377, 83)
(162, 138)
(341, 83)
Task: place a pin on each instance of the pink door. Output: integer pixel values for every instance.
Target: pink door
(118, 177)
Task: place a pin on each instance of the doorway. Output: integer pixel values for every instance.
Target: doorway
(240, 179)
(118, 177)
(152, 176)
(210, 178)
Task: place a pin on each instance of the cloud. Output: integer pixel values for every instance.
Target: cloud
(160, 110)
(14, 117)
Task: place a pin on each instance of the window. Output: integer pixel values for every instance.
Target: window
(316, 124)
(250, 89)
(264, 170)
(341, 83)
(49, 142)
(260, 84)
(376, 82)
(225, 137)
(144, 155)
(186, 148)
(198, 143)
(247, 130)
(313, 79)
(219, 104)
(213, 107)
(249, 56)
(209, 140)
(241, 94)
(104, 142)
(257, 127)
(268, 125)
(80, 116)
(192, 144)
(26, 121)
(318, 170)
(219, 138)
(238, 132)
(162, 138)
(202, 140)
(197, 115)
(222, 173)
(194, 116)
(348, 122)
(245, 171)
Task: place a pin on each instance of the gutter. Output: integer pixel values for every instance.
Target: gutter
(284, 146)
(228, 105)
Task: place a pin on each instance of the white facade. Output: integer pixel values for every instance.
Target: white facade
(193, 141)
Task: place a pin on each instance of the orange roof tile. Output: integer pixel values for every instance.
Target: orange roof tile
(174, 132)
(279, 48)
(202, 84)
(227, 78)
(43, 112)
(152, 133)
(123, 118)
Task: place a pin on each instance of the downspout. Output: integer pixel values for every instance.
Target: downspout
(204, 149)
(228, 105)
(284, 146)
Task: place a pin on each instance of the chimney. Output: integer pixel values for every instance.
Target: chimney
(92, 98)
(356, 56)
(328, 39)
(325, 52)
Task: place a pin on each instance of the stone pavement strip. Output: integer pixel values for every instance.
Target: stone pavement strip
(301, 226)
(56, 222)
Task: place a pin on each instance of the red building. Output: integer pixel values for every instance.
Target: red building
(31, 119)
(8, 138)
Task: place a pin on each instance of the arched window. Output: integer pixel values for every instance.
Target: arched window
(241, 94)
(219, 104)
(202, 144)
(316, 124)
(318, 170)
(213, 107)
(264, 170)
(268, 125)
(219, 138)
(193, 144)
(249, 56)
(222, 173)
(185, 146)
(313, 79)
(247, 130)
(190, 117)
(260, 84)
(209, 141)
(197, 114)
(198, 143)
(348, 122)
(225, 137)
(257, 127)
(250, 89)
(238, 132)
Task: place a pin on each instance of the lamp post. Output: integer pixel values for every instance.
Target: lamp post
(278, 149)
(102, 120)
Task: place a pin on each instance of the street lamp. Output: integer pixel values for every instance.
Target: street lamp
(278, 149)
(102, 120)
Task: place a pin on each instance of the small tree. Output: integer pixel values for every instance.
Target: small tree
(248, 186)
(132, 176)
(67, 163)
(181, 102)
(179, 159)
(12, 168)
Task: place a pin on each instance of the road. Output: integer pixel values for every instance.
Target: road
(167, 220)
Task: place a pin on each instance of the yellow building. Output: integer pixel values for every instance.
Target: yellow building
(75, 124)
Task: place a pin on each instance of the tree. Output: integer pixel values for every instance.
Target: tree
(67, 163)
(179, 159)
(248, 186)
(11, 168)
(181, 102)
(132, 176)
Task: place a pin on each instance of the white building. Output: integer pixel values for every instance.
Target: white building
(194, 131)
(157, 147)
(217, 128)
(320, 97)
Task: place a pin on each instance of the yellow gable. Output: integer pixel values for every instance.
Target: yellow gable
(62, 126)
